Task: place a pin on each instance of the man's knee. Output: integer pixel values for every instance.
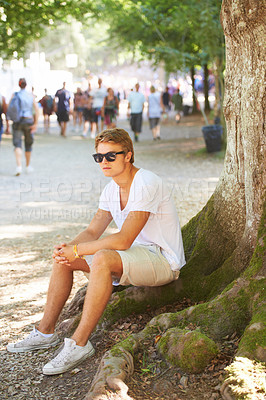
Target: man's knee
(28, 140)
(17, 138)
(102, 259)
(62, 267)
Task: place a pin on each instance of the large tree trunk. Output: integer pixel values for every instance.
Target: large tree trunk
(223, 243)
(240, 192)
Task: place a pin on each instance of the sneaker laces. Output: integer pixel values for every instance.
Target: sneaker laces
(64, 354)
(31, 335)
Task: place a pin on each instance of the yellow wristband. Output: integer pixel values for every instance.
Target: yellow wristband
(75, 251)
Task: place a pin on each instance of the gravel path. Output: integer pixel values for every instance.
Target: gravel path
(53, 204)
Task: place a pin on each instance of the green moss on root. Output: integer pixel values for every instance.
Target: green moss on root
(190, 350)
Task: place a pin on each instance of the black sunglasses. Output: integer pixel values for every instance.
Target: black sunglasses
(110, 156)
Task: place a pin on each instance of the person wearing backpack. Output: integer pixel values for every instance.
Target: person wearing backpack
(47, 103)
(23, 111)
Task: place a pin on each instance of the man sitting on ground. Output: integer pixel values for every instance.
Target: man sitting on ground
(147, 250)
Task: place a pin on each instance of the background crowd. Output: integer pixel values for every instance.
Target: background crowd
(91, 111)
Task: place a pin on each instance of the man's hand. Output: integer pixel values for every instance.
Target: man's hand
(33, 128)
(66, 254)
(58, 257)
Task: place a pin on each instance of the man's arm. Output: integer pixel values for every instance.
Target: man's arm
(4, 105)
(55, 100)
(161, 103)
(35, 117)
(95, 229)
(122, 240)
(71, 105)
(128, 105)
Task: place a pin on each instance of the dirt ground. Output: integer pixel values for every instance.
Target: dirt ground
(53, 204)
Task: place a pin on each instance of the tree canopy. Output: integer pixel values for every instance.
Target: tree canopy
(22, 21)
(178, 34)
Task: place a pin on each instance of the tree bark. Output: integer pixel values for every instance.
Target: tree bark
(241, 188)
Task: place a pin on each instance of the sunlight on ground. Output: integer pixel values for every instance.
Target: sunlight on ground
(17, 258)
(247, 379)
(29, 291)
(19, 231)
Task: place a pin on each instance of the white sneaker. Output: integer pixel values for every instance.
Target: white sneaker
(70, 356)
(29, 169)
(18, 171)
(34, 341)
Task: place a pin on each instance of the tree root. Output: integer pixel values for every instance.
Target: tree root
(113, 371)
(216, 318)
(226, 392)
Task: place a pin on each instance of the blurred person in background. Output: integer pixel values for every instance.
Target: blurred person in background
(87, 111)
(26, 126)
(98, 99)
(47, 104)
(155, 107)
(136, 102)
(78, 110)
(166, 99)
(177, 100)
(63, 106)
(110, 109)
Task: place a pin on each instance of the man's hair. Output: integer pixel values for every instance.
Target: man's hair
(22, 83)
(116, 135)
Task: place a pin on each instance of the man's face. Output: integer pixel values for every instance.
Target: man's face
(117, 167)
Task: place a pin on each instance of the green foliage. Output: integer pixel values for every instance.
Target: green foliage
(180, 34)
(24, 21)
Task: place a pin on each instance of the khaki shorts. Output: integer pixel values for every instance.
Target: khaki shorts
(143, 266)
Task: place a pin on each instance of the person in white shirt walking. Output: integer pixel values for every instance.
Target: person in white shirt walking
(155, 107)
(98, 95)
(136, 102)
(147, 250)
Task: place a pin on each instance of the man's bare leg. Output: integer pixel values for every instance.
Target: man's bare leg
(93, 129)
(105, 264)
(18, 155)
(136, 136)
(63, 126)
(28, 157)
(86, 128)
(60, 286)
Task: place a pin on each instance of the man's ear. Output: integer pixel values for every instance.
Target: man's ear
(128, 156)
